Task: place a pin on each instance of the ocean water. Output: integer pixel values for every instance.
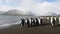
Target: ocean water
(7, 21)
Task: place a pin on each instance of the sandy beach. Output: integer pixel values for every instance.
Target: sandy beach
(45, 29)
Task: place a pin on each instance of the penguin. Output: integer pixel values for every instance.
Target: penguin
(28, 23)
(34, 22)
(37, 21)
(52, 21)
(31, 21)
(40, 21)
(22, 22)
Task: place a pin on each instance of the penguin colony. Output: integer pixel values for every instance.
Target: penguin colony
(37, 21)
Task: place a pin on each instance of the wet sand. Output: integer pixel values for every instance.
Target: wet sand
(45, 29)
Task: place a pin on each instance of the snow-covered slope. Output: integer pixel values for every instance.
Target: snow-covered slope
(17, 12)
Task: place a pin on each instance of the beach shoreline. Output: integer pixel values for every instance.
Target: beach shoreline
(17, 29)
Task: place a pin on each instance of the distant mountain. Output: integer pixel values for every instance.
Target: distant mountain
(50, 14)
(16, 12)
(2, 12)
(13, 12)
